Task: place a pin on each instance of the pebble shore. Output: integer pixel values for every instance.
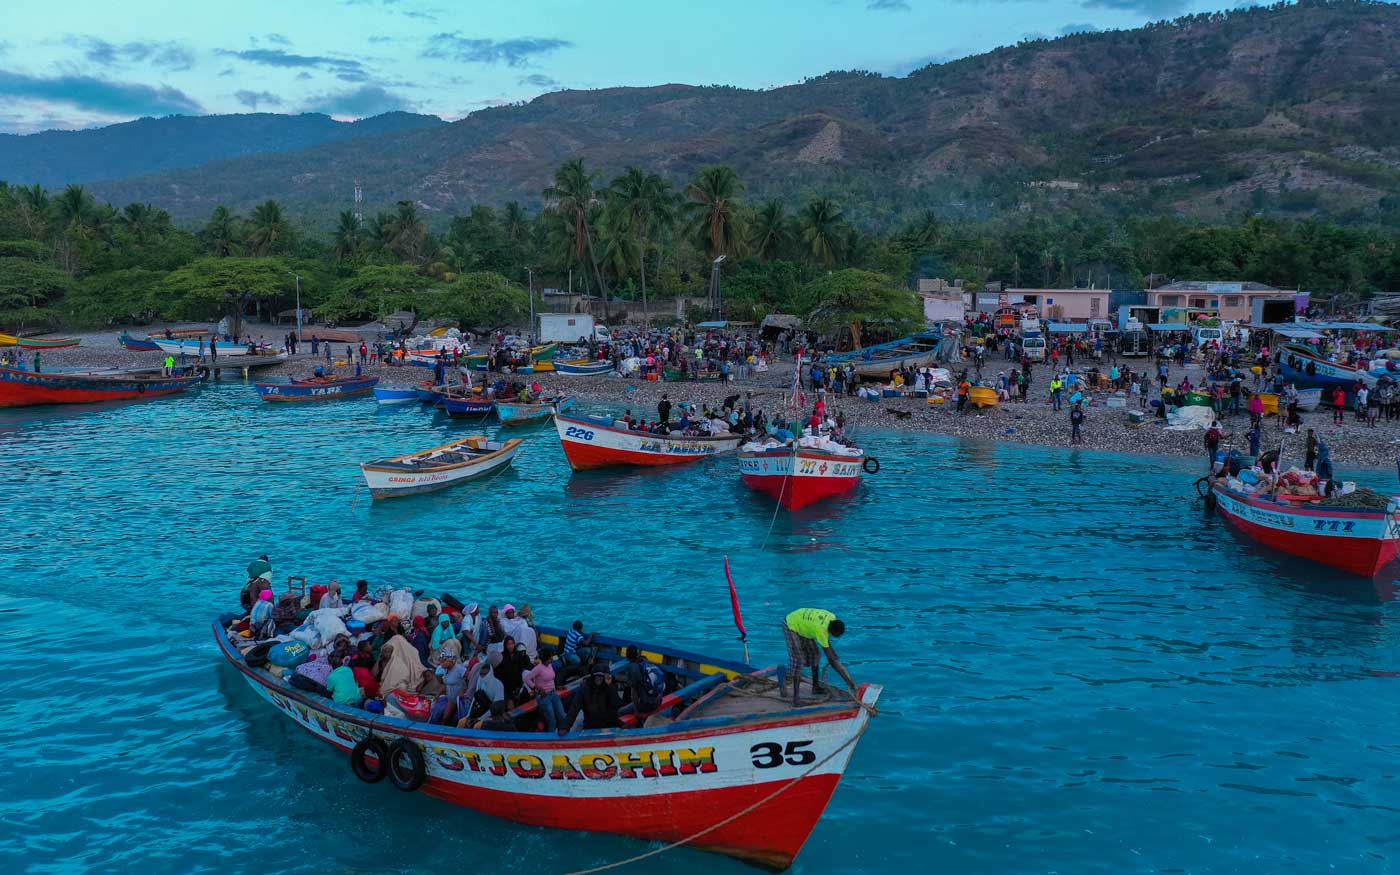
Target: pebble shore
(1353, 443)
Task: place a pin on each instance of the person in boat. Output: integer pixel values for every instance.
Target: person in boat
(1324, 467)
(332, 598)
(497, 719)
(419, 637)
(645, 682)
(284, 615)
(342, 684)
(471, 623)
(518, 628)
(399, 667)
(485, 691)
(260, 621)
(361, 591)
(442, 633)
(367, 682)
(596, 702)
(805, 630)
(577, 652)
(452, 669)
(363, 656)
(540, 682)
(512, 668)
(491, 634)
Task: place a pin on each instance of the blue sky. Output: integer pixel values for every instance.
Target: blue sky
(81, 63)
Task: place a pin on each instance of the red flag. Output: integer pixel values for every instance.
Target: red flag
(734, 603)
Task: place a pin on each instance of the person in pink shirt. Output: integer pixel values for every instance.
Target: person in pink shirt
(540, 681)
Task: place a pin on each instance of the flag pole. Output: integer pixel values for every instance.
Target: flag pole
(734, 604)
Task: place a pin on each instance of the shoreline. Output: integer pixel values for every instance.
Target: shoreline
(1033, 423)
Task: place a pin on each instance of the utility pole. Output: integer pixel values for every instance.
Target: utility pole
(530, 274)
(359, 205)
(716, 295)
(298, 279)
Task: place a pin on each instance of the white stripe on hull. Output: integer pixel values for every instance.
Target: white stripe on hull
(392, 483)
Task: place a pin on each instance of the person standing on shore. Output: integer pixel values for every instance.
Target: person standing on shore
(1256, 435)
(1212, 441)
(1310, 451)
(1056, 388)
(1076, 423)
(1339, 404)
(963, 387)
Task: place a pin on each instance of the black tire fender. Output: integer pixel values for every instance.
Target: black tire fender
(1210, 501)
(410, 778)
(871, 465)
(360, 765)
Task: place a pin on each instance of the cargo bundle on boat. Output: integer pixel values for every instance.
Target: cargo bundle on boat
(23, 388)
(601, 441)
(724, 762)
(437, 468)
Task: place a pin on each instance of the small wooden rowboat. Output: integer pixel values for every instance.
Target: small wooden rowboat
(515, 413)
(396, 394)
(24, 388)
(982, 396)
(460, 403)
(582, 368)
(1355, 539)
(1309, 399)
(429, 470)
(594, 442)
(39, 342)
(798, 476)
(325, 389)
(735, 770)
(137, 344)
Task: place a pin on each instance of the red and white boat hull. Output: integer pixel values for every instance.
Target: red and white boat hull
(797, 480)
(1357, 540)
(661, 784)
(590, 444)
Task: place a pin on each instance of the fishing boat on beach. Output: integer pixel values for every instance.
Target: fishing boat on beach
(459, 402)
(39, 342)
(803, 471)
(876, 362)
(429, 470)
(733, 767)
(582, 368)
(518, 413)
(1357, 539)
(600, 442)
(137, 344)
(222, 348)
(24, 388)
(316, 389)
(1306, 369)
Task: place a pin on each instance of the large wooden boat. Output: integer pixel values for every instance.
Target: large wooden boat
(39, 342)
(515, 413)
(582, 368)
(24, 388)
(137, 344)
(222, 348)
(797, 475)
(323, 389)
(595, 442)
(736, 769)
(876, 362)
(1354, 539)
(429, 470)
(1306, 369)
(459, 402)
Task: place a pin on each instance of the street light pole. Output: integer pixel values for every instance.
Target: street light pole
(530, 275)
(298, 279)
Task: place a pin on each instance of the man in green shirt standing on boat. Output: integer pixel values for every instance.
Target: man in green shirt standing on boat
(805, 630)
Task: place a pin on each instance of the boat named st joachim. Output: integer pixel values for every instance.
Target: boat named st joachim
(316, 389)
(1360, 540)
(734, 747)
(24, 388)
(597, 442)
(429, 470)
(804, 471)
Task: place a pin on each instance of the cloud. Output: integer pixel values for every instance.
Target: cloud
(539, 80)
(359, 102)
(278, 39)
(252, 99)
(888, 5)
(1154, 8)
(99, 95)
(163, 55)
(303, 76)
(376, 40)
(344, 69)
(1080, 27)
(512, 52)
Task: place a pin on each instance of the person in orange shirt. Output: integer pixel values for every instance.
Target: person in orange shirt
(963, 387)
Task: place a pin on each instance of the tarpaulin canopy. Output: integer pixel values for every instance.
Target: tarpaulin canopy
(1298, 333)
(1066, 328)
(1169, 326)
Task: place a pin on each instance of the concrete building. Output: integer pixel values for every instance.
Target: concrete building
(1234, 302)
(1055, 305)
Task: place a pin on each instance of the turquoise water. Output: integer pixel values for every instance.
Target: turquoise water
(1084, 672)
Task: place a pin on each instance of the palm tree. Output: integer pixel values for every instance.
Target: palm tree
(927, 230)
(139, 219)
(73, 209)
(406, 233)
(822, 227)
(346, 240)
(573, 196)
(514, 222)
(221, 232)
(33, 203)
(641, 203)
(713, 207)
(265, 227)
(768, 235)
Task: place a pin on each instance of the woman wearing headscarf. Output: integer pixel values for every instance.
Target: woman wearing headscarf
(511, 671)
(442, 633)
(332, 598)
(361, 591)
(399, 667)
(417, 635)
(260, 620)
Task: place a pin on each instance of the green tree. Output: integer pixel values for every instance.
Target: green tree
(118, 296)
(573, 197)
(213, 287)
(378, 290)
(483, 301)
(641, 203)
(823, 232)
(769, 232)
(713, 207)
(222, 233)
(405, 233)
(862, 301)
(266, 227)
(27, 290)
(347, 237)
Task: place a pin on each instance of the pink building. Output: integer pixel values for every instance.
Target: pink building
(1232, 302)
(1064, 305)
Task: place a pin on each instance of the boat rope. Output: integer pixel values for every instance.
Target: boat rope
(356, 497)
(735, 816)
(779, 505)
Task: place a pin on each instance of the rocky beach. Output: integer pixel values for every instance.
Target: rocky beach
(1353, 443)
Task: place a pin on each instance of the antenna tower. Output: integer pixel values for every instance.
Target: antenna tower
(359, 204)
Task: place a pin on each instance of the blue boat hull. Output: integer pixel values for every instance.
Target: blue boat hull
(315, 391)
(395, 394)
(459, 407)
(582, 370)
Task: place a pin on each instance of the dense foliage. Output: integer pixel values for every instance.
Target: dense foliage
(67, 260)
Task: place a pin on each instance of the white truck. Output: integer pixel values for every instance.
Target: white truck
(570, 328)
